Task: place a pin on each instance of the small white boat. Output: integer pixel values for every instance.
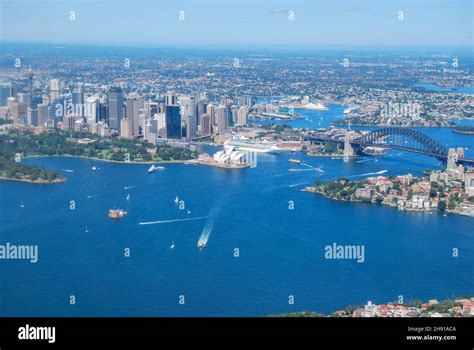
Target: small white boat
(22, 205)
(154, 168)
(176, 200)
(87, 230)
(128, 197)
(189, 211)
(172, 245)
(201, 245)
(94, 168)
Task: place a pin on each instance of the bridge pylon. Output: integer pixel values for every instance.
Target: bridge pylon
(348, 149)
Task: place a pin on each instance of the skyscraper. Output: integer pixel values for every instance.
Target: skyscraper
(78, 103)
(115, 103)
(43, 114)
(188, 113)
(132, 112)
(222, 118)
(242, 115)
(91, 110)
(173, 121)
(191, 127)
(205, 124)
(170, 99)
(54, 87)
(126, 128)
(5, 92)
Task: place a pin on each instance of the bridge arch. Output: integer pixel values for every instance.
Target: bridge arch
(421, 143)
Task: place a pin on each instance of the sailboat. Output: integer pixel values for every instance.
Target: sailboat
(176, 200)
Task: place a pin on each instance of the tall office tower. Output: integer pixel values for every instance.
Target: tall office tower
(201, 105)
(69, 122)
(191, 127)
(32, 116)
(5, 92)
(54, 88)
(115, 103)
(30, 76)
(160, 121)
(243, 115)
(24, 98)
(211, 111)
(234, 115)
(14, 89)
(171, 99)
(132, 112)
(19, 112)
(91, 110)
(126, 127)
(78, 103)
(43, 114)
(222, 119)
(188, 114)
(103, 111)
(206, 125)
(173, 121)
(151, 108)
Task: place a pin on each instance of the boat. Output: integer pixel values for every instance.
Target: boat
(154, 168)
(117, 213)
(189, 211)
(201, 245)
(22, 205)
(128, 197)
(294, 161)
(94, 168)
(241, 143)
(87, 230)
(176, 200)
(172, 245)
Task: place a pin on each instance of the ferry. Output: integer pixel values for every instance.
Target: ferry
(116, 213)
(154, 168)
(294, 161)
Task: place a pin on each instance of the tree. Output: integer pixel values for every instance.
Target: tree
(442, 205)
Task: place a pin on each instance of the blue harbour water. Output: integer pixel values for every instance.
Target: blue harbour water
(281, 250)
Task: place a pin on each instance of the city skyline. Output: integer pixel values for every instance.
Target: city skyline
(209, 23)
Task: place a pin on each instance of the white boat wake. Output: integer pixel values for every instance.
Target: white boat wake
(368, 174)
(301, 184)
(172, 220)
(68, 170)
(129, 187)
(208, 226)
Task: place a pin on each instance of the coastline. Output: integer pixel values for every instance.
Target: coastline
(35, 182)
(312, 189)
(109, 160)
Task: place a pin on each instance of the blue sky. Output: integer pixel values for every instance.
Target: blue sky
(243, 22)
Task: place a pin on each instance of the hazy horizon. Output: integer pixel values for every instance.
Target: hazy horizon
(254, 23)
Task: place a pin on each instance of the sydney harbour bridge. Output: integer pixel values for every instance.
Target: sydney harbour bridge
(397, 138)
